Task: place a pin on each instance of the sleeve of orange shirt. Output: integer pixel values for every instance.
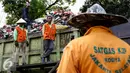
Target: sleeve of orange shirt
(69, 61)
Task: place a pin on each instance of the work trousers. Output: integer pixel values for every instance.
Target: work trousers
(21, 49)
(48, 48)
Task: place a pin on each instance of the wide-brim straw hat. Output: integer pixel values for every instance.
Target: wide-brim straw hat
(96, 13)
(22, 21)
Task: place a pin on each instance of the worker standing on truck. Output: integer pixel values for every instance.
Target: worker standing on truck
(99, 50)
(48, 32)
(21, 41)
(25, 15)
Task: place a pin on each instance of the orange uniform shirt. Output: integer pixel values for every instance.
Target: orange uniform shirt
(21, 34)
(99, 51)
(49, 31)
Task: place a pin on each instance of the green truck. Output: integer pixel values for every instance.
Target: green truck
(35, 49)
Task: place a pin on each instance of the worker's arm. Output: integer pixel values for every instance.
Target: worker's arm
(27, 39)
(15, 34)
(27, 35)
(69, 61)
(43, 28)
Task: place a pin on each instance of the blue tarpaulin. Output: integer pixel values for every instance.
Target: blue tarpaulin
(122, 31)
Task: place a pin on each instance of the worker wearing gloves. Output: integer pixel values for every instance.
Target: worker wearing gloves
(99, 50)
(48, 32)
(21, 40)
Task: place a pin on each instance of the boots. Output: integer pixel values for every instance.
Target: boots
(23, 63)
(43, 59)
(48, 58)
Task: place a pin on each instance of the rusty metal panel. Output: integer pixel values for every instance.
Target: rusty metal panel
(35, 44)
(53, 57)
(65, 39)
(1, 49)
(34, 59)
(8, 48)
(55, 42)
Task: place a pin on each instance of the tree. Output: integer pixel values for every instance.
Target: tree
(37, 9)
(120, 7)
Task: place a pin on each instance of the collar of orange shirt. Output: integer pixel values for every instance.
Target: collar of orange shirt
(97, 29)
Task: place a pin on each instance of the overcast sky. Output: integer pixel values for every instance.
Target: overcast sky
(75, 8)
(2, 16)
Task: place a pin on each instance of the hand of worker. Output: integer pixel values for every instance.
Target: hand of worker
(16, 44)
(27, 43)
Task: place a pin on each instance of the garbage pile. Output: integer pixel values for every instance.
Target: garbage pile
(60, 18)
(6, 31)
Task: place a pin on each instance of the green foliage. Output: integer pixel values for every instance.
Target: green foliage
(120, 7)
(37, 9)
(13, 8)
(70, 1)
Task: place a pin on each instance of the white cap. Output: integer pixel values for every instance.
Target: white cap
(21, 21)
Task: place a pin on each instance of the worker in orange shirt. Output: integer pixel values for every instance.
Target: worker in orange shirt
(49, 32)
(21, 41)
(99, 50)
